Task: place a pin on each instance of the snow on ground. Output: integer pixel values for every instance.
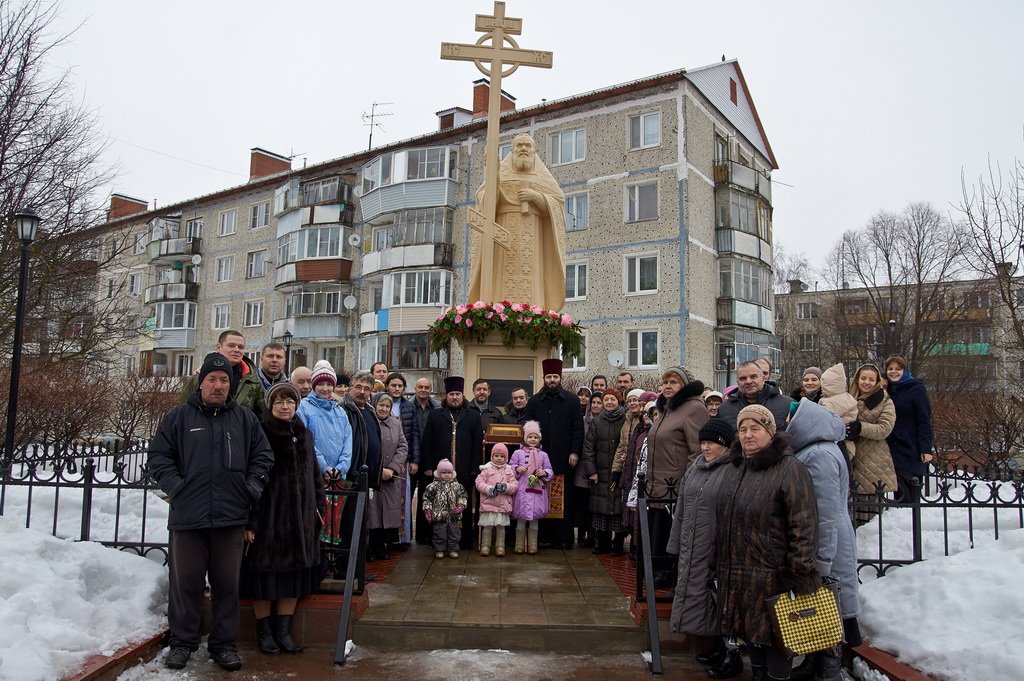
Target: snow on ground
(61, 602)
(959, 618)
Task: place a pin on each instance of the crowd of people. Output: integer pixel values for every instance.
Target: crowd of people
(747, 489)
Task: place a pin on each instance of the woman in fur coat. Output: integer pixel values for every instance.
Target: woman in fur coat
(282, 561)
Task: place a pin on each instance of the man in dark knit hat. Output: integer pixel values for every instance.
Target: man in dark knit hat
(454, 432)
(211, 458)
(561, 421)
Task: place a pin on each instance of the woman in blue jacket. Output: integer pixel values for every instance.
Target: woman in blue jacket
(332, 433)
(910, 442)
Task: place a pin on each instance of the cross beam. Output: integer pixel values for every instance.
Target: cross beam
(491, 56)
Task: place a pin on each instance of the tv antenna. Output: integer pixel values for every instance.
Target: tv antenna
(370, 119)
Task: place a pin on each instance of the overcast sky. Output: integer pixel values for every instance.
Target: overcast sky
(867, 105)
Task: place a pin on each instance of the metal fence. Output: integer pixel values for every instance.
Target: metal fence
(105, 495)
(952, 509)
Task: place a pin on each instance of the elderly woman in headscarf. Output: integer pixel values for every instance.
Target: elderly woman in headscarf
(766, 537)
(282, 562)
(384, 509)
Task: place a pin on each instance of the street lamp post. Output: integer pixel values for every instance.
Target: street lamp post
(287, 352)
(27, 222)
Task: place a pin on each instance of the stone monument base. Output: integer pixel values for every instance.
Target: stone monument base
(511, 367)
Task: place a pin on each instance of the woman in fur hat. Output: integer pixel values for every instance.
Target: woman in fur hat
(282, 563)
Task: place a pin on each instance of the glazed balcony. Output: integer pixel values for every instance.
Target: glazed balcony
(172, 292)
(169, 251)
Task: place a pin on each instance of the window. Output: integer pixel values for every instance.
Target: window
(568, 147)
(253, 313)
(421, 288)
(576, 363)
(577, 212)
(410, 351)
(645, 130)
(808, 341)
(140, 243)
(335, 354)
(184, 365)
(320, 191)
(222, 316)
(377, 174)
(424, 164)
(134, 284)
(115, 247)
(807, 310)
(176, 316)
(111, 287)
(745, 281)
(721, 149)
(225, 268)
(503, 151)
(313, 301)
(423, 226)
(376, 297)
(227, 222)
(642, 349)
(256, 264)
(288, 248)
(576, 281)
(259, 215)
(373, 349)
(642, 274)
(642, 201)
(324, 242)
(856, 306)
(194, 229)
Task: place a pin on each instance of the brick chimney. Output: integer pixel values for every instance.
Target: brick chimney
(481, 93)
(122, 205)
(263, 163)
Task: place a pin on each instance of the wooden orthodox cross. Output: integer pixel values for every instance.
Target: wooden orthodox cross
(491, 56)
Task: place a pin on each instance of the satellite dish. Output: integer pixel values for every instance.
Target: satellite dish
(355, 239)
(196, 259)
(616, 358)
(350, 301)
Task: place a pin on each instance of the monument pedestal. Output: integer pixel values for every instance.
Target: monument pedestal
(514, 367)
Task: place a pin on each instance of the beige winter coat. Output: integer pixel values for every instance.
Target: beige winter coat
(837, 400)
(877, 416)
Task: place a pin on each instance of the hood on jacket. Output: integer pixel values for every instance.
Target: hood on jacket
(813, 423)
(833, 381)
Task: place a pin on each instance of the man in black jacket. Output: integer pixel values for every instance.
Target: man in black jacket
(753, 389)
(211, 458)
(561, 426)
(454, 432)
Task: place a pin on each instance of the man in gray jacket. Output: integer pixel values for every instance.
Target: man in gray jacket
(211, 458)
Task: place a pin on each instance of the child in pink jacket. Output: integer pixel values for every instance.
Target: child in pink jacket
(533, 470)
(497, 486)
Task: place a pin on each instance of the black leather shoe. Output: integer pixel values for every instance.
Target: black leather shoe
(713, 657)
(228, 660)
(177, 658)
(730, 666)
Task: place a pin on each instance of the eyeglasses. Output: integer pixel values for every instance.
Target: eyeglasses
(286, 401)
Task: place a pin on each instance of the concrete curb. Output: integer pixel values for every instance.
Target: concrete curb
(108, 668)
(888, 665)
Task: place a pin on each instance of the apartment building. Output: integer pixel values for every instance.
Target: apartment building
(668, 211)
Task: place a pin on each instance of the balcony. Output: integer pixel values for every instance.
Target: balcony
(172, 292)
(742, 313)
(168, 251)
(418, 255)
(308, 327)
(313, 269)
(174, 339)
(734, 241)
(412, 194)
(730, 172)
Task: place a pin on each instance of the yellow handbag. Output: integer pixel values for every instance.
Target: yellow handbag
(809, 622)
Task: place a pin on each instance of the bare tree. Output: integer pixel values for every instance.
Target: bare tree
(139, 404)
(788, 267)
(50, 148)
(992, 213)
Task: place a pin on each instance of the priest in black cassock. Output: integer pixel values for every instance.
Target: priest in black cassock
(454, 432)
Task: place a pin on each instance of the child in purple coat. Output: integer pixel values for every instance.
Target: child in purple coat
(497, 486)
(533, 469)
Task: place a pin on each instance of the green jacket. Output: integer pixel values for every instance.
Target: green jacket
(248, 394)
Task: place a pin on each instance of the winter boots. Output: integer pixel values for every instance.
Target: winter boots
(730, 666)
(604, 541)
(531, 538)
(618, 541)
(284, 635)
(520, 536)
(486, 539)
(265, 637)
(831, 665)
